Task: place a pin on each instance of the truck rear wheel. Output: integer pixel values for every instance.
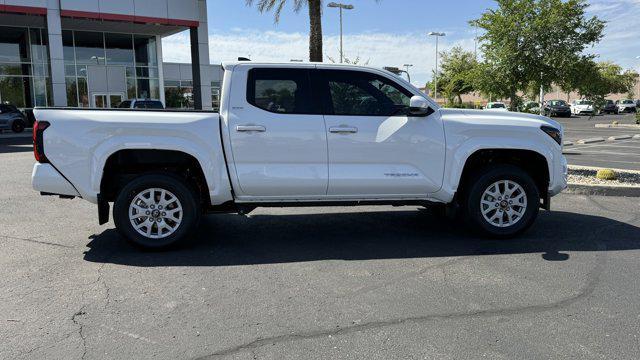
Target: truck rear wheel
(503, 201)
(156, 211)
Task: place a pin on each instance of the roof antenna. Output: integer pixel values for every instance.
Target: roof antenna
(243, 59)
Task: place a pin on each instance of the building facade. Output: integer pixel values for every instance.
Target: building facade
(96, 53)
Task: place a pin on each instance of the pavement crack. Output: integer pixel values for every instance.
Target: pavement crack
(592, 279)
(33, 240)
(74, 319)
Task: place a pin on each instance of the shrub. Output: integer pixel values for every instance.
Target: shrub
(606, 174)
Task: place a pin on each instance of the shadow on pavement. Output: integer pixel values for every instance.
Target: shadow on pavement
(228, 240)
(16, 145)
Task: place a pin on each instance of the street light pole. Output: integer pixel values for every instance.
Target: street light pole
(435, 90)
(638, 82)
(341, 7)
(407, 66)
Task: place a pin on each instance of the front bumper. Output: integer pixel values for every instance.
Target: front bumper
(46, 179)
(560, 179)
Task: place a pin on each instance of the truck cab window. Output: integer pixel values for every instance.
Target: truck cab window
(282, 91)
(364, 94)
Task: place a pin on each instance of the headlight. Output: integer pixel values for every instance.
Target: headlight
(553, 132)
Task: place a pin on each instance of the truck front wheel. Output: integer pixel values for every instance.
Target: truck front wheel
(156, 211)
(503, 201)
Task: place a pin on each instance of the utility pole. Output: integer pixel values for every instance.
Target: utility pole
(435, 88)
(340, 7)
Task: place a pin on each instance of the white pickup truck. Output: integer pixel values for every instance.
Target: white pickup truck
(300, 135)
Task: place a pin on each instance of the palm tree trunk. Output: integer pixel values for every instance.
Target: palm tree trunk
(315, 31)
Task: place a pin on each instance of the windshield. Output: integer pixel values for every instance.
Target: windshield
(557, 103)
(584, 102)
(627, 102)
(496, 106)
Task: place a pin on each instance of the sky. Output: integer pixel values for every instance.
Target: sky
(382, 33)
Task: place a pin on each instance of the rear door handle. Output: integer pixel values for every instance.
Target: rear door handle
(343, 130)
(249, 128)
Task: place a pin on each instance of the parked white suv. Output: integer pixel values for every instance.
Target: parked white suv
(582, 107)
(300, 135)
(626, 106)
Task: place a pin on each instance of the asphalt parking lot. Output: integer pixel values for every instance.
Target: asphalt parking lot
(620, 154)
(316, 283)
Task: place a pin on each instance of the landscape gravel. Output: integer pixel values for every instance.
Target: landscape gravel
(588, 176)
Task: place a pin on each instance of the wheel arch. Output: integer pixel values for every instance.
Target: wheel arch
(531, 161)
(125, 164)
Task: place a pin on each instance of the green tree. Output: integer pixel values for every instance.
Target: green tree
(455, 79)
(532, 43)
(315, 20)
(601, 79)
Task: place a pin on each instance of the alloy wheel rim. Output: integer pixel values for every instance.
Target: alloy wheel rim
(155, 213)
(503, 203)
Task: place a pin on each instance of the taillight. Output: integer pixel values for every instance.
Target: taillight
(38, 141)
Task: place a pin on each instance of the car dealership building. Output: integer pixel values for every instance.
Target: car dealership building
(96, 53)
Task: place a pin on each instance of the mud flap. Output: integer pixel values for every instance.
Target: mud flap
(103, 211)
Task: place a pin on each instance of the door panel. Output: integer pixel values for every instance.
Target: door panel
(278, 138)
(382, 151)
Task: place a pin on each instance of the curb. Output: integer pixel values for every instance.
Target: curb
(619, 137)
(622, 126)
(603, 190)
(590, 140)
(16, 136)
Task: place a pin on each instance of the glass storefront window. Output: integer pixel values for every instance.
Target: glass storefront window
(119, 49)
(131, 88)
(14, 44)
(89, 48)
(24, 68)
(67, 47)
(13, 90)
(146, 51)
(83, 93)
(72, 91)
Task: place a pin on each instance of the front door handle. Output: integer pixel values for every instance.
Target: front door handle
(343, 130)
(250, 128)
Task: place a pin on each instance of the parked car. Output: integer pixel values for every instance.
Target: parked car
(11, 118)
(626, 106)
(372, 138)
(141, 104)
(609, 107)
(582, 107)
(558, 108)
(531, 107)
(496, 106)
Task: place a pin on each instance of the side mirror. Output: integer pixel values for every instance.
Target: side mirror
(419, 106)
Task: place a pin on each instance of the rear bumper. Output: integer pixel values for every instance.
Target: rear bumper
(46, 179)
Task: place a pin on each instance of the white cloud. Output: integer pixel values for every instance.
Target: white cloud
(378, 49)
(620, 43)
(621, 37)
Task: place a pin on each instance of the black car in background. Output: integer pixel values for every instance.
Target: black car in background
(558, 108)
(609, 107)
(11, 118)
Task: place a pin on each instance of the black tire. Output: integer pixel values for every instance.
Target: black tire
(485, 178)
(187, 198)
(18, 126)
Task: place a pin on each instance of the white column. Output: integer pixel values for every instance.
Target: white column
(202, 61)
(160, 69)
(56, 57)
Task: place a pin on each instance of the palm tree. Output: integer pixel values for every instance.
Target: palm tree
(315, 20)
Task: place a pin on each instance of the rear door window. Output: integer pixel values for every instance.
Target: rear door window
(282, 91)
